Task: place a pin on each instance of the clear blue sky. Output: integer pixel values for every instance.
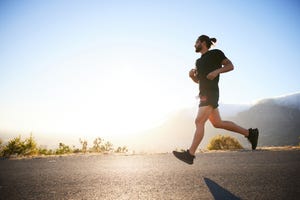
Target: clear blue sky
(98, 66)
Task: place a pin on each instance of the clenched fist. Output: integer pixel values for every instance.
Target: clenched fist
(193, 73)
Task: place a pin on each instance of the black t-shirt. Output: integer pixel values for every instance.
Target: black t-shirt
(207, 63)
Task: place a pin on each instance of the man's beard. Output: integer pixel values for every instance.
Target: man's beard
(198, 49)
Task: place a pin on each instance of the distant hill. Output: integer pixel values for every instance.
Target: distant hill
(277, 118)
(291, 101)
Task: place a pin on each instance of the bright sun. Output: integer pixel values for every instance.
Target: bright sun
(95, 101)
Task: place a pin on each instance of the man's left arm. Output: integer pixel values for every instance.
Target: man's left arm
(226, 67)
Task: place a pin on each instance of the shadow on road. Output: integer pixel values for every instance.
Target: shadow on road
(218, 192)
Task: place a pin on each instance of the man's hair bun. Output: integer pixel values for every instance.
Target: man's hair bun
(213, 40)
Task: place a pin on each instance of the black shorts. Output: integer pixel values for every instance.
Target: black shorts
(209, 100)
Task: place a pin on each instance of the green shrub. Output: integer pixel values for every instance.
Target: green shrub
(14, 146)
(1, 147)
(17, 146)
(107, 147)
(63, 149)
(77, 150)
(221, 142)
(30, 146)
(121, 150)
(97, 145)
(84, 145)
(45, 151)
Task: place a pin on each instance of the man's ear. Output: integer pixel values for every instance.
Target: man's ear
(203, 44)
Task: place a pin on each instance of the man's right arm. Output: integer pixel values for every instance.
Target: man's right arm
(193, 75)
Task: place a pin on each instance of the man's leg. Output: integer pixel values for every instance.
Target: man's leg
(217, 122)
(189, 155)
(202, 116)
(251, 134)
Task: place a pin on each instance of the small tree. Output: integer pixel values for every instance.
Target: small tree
(84, 145)
(122, 149)
(221, 142)
(30, 146)
(42, 150)
(97, 145)
(107, 147)
(63, 149)
(14, 146)
(1, 147)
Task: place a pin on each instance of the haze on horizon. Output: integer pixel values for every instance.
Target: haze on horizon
(114, 69)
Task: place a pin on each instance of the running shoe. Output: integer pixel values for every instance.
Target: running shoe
(253, 137)
(184, 156)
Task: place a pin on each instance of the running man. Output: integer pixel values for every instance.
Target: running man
(208, 69)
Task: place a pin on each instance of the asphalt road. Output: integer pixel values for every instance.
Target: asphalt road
(226, 175)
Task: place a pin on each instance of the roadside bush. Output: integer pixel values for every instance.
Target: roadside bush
(63, 149)
(17, 146)
(1, 147)
(77, 150)
(30, 146)
(221, 142)
(97, 145)
(14, 146)
(84, 145)
(45, 151)
(107, 147)
(121, 150)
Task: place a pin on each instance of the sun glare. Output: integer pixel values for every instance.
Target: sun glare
(119, 104)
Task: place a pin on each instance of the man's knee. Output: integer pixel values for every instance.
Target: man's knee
(200, 121)
(217, 124)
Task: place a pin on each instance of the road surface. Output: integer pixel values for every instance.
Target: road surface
(220, 175)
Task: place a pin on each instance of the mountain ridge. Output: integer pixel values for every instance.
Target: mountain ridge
(277, 119)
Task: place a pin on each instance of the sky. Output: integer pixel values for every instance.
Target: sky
(115, 68)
